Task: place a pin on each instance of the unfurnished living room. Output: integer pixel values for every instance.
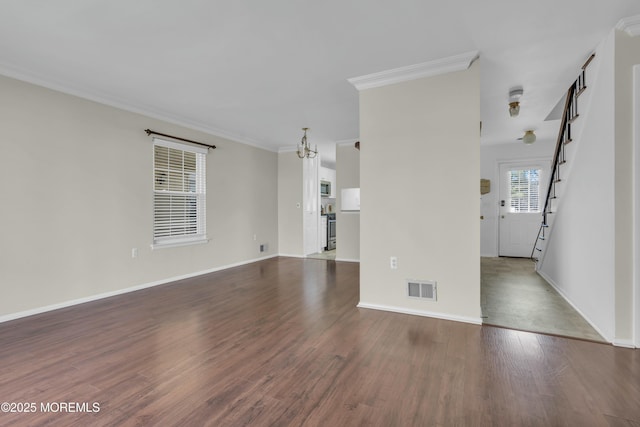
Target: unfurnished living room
(320, 214)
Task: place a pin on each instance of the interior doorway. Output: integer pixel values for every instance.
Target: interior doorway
(311, 202)
(514, 296)
(319, 197)
(326, 255)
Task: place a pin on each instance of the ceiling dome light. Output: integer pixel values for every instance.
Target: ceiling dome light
(529, 137)
(514, 101)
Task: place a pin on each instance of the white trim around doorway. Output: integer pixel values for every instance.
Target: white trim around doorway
(636, 205)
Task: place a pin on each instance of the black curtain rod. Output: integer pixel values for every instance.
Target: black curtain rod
(149, 132)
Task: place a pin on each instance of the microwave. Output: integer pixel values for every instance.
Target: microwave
(325, 188)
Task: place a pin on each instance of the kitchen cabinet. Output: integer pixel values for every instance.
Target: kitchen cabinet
(323, 231)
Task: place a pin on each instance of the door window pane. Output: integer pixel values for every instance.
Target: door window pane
(524, 191)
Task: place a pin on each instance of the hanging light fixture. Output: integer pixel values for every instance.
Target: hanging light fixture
(304, 150)
(529, 137)
(514, 101)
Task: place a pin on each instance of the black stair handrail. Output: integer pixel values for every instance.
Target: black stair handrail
(556, 157)
(569, 114)
(564, 124)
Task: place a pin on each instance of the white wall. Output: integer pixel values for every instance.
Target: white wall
(417, 137)
(627, 54)
(76, 182)
(490, 157)
(579, 258)
(347, 223)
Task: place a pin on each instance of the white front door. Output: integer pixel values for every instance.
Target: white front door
(522, 192)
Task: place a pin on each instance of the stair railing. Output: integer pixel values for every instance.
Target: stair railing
(569, 115)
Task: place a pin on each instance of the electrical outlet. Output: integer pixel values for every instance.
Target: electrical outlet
(255, 237)
(393, 261)
(134, 253)
(263, 247)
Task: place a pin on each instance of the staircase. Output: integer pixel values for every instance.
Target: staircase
(569, 116)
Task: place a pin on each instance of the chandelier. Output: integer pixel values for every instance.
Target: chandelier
(304, 150)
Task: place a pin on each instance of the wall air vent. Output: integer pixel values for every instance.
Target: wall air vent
(423, 289)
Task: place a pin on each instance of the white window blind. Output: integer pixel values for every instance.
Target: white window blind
(524, 186)
(179, 193)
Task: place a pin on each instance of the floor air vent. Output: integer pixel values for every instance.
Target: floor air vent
(423, 289)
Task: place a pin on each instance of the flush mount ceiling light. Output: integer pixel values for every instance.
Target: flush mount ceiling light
(529, 137)
(514, 101)
(304, 150)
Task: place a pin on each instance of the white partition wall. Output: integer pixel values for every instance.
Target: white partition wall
(419, 174)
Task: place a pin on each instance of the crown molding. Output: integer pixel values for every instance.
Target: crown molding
(287, 149)
(346, 142)
(341, 143)
(426, 69)
(630, 25)
(100, 98)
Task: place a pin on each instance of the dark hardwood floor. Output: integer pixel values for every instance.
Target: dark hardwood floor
(281, 342)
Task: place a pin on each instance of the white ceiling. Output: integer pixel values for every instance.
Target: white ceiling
(257, 71)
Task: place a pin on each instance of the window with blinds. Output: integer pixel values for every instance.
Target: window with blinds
(179, 193)
(524, 186)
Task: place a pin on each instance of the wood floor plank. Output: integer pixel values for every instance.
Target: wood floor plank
(280, 342)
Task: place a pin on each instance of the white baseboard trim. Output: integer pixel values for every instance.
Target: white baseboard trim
(65, 304)
(292, 255)
(563, 295)
(304, 256)
(624, 343)
(402, 310)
